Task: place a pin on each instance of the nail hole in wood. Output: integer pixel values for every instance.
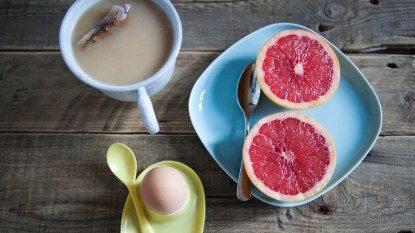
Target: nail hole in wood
(323, 209)
(325, 27)
(374, 2)
(392, 65)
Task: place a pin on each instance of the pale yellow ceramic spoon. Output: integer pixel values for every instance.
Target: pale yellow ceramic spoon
(123, 164)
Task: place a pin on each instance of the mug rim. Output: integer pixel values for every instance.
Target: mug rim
(65, 44)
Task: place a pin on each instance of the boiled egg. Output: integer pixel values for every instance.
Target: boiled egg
(164, 190)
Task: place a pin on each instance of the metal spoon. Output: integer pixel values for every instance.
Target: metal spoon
(123, 164)
(248, 96)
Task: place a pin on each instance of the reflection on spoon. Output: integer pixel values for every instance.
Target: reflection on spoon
(248, 96)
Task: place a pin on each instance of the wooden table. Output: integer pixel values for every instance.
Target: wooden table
(55, 130)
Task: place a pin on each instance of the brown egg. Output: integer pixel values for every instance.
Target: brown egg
(164, 190)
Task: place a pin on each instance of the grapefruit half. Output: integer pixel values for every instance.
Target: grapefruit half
(297, 69)
(289, 156)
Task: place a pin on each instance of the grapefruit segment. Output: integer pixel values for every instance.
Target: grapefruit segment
(297, 69)
(289, 156)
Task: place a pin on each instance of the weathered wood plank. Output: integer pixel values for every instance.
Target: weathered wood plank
(354, 26)
(393, 78)
(64, 187)
(39, 93)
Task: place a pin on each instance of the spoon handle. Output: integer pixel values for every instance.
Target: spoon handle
(142, 219)
(244, 188)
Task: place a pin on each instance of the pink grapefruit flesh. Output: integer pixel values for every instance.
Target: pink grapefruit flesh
(297, 69)
(289, 156)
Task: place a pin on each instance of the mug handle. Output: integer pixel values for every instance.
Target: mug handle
(146, 110)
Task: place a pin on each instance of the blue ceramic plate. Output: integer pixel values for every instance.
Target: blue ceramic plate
(353, 116)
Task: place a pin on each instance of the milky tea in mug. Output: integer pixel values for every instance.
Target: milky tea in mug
(136, 49)
(134, 61)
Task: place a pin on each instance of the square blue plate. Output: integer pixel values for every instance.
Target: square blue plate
(353, 116)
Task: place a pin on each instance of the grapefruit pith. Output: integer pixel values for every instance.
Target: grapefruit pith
(289, 156)
(297, 69)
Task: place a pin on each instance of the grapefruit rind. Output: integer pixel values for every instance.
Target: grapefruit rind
(283, 102)
(277, 195)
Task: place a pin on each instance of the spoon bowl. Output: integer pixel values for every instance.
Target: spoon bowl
(122, 162)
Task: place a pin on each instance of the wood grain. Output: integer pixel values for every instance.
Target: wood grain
(354, 25)
(40, 94)
(58, 101)
(66, 186)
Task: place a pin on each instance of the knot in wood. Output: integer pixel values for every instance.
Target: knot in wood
(336, 10)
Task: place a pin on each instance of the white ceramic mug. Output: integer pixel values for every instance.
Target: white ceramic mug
(140, 91)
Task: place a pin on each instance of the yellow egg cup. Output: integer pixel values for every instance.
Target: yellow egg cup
(190, 218)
